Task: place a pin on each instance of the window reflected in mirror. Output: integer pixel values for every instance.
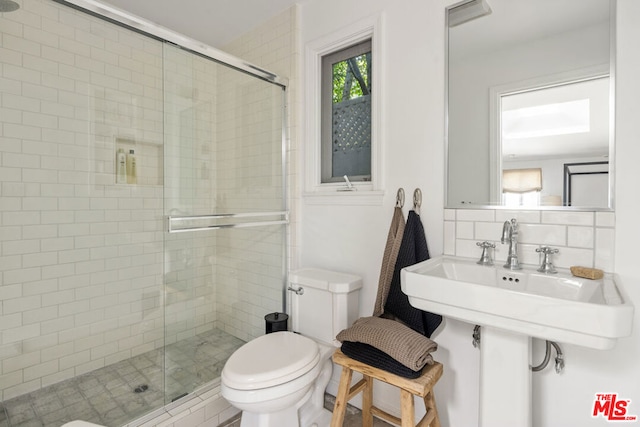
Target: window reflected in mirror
(542, 130)
(521, 187)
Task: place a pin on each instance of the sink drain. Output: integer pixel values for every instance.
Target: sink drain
(141, 388)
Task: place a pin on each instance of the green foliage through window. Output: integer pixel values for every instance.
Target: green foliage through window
(346, 100)
(352, 78)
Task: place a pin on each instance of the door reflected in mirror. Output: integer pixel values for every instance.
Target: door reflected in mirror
(529, 89)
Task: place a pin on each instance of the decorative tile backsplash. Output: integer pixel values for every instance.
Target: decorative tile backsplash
(582, 238)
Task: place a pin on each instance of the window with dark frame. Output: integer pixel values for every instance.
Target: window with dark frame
(346, 114)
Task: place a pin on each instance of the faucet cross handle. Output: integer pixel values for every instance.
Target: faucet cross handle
(547, 266)
(547, 250)
(485, 258)
(485, 244)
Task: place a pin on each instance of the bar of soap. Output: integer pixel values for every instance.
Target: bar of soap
(587, 273)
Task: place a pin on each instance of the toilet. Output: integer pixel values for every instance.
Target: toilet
(279, 379)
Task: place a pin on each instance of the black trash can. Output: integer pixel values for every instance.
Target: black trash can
(275, 322)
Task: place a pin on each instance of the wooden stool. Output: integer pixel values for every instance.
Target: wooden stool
(421, 386)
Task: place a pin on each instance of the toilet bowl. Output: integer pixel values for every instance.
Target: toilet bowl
(279, 379)
(272, 393)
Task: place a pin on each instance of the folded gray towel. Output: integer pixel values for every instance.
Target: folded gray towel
(402, 343)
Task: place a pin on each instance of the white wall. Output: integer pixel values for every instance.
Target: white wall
(351, 238)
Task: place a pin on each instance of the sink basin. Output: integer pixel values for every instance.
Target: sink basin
(513, 306)
(558, 307)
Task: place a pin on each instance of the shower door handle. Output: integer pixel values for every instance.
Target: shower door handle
(179, 224)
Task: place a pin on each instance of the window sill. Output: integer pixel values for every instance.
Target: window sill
(356, 198)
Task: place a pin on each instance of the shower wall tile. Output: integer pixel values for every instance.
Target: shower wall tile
(71, 240)
(81, 257)
(582, 238)
(249, 287)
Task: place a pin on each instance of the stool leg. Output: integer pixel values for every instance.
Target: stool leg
(341, 399)
(367, 402)
(430, 404)
(407, 411)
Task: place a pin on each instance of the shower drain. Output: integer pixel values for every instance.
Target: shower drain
(141, 388)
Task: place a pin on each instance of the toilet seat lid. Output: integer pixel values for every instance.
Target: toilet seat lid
(270, 360)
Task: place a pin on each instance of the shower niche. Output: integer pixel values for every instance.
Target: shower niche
(148, 168)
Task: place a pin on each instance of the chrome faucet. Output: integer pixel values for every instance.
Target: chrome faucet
(510, 234)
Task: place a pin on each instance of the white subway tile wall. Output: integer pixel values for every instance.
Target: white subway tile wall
(274, 45)
(80, 256)
(82, 264)
(189, 125)
(276, 35)
(582, 238)
(246, 176)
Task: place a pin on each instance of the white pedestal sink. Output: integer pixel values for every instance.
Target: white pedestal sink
(512, 307)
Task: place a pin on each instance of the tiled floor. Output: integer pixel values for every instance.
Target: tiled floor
(352, 418)
(108, 395)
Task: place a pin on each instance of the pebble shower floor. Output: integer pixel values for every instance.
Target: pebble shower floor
(120, 393)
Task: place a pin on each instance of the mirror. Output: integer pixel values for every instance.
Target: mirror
(529, 94)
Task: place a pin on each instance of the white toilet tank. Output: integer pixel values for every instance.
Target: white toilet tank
(324, 302)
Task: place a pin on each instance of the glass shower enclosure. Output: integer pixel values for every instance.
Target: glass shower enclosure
(224, 202)
(143, 217)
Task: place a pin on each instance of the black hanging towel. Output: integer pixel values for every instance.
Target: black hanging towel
(413, 249)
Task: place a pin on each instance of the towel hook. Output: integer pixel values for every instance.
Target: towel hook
(417, 200)
(400, 198)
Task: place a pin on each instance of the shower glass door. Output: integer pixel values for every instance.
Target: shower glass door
(224, 187)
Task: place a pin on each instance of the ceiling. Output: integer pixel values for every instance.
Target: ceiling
(516, 22)
(214, 22)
